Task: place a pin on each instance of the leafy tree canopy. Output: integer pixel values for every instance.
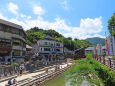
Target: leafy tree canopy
(34, 34)
(111, 25)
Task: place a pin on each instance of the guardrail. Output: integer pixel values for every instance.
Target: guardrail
(41, 78)
(107, 61)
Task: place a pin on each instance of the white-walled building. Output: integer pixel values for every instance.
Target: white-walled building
(49, 49)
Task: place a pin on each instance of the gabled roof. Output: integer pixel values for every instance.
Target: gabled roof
(48, 37)
(10, 24)
(27, 46)
(4, 22)
(90, 48)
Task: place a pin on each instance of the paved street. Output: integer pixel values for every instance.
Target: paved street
(30, 75)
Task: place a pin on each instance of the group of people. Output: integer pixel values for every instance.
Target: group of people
(12, 81)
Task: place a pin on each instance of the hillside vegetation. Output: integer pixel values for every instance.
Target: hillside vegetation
(96, 40)
(96, 73)
(35, 34)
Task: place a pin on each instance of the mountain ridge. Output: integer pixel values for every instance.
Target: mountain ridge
(96, 40)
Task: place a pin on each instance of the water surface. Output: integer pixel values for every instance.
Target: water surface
(59, 81)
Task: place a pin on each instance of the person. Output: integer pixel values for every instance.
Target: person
(21, 70)
(10, 82)
(14, 81)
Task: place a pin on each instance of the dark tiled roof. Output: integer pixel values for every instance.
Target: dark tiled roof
(90, 48)
(10, 24)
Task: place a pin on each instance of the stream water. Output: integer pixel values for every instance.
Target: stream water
(59, 81)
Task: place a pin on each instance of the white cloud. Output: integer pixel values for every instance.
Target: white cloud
(88, 27)
(2, 17)
(13, 8)
(23, 16)
(64, 4)
(38, 10)
(29, 17)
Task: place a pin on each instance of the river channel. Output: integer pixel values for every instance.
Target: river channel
(59, 81)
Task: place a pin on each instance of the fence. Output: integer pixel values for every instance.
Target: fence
(41, 78)
(107, 60)
(8, 70)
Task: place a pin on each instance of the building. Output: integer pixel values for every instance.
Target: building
(12, 42)
(110, 45)
(100, 50)
(29, 53)
(97, 50)
(49, 49)
(90, 50)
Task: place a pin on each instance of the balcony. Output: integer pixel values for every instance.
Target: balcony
(59, 46)
(47, 45)
(7, 46)
(59, 52)
(47, 52)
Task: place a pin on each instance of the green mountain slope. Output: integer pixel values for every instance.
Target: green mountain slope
(34, 34)
(96, 40)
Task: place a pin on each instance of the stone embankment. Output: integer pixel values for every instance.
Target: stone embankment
(39, 76)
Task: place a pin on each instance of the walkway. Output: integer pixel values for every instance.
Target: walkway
(30, 75)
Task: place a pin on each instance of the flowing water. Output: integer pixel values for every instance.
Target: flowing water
(59, 81)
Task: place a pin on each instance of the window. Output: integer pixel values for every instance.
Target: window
(46, 49)
(5, 42)
(57, 49)
(16, 42)
(0, 27)
(46, 43)
(51, 44)
(58, 44)
(16, 53)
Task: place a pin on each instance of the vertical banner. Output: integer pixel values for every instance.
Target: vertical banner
(107, 46)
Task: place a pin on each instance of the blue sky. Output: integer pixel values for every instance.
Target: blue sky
(72, 18)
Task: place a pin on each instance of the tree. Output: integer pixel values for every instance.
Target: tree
(111, 25)
(34, 34)
(75, 39)
(69, 38)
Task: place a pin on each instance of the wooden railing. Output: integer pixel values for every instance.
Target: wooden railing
(41, 78)
(107, 60)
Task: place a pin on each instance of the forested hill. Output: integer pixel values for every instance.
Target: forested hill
(96, 40)
(34, 34)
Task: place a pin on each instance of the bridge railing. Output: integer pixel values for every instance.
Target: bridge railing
(106, 60)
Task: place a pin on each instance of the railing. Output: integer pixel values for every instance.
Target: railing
(47, 45)
(6, 71)
(50, 45)
(41, 78)
(107, 60)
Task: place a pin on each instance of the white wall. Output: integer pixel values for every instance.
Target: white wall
(41, 44)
